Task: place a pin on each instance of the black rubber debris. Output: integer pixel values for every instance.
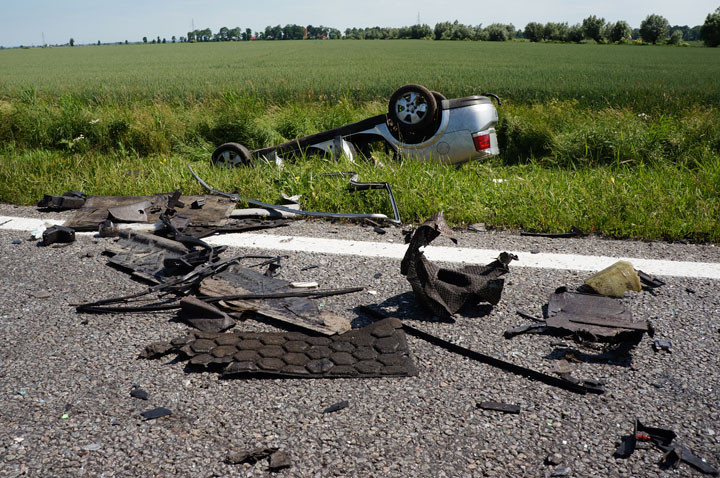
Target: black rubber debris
(337, 407)
(59, 234)
(156, 413)
(499, 407)
(139, 393)
(659, 344)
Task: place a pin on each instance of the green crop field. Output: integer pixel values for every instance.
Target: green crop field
(623, 140)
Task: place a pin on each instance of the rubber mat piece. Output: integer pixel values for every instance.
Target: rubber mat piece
(377, 350)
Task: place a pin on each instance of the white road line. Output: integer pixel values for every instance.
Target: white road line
(578, 262)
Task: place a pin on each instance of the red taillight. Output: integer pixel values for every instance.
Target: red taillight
(482, 142)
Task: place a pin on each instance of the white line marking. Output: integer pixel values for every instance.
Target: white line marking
(577, 262)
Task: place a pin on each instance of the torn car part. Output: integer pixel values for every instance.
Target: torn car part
(614, 280)
(204, 316)
(445, 291)
(377, 350)
(595, 317)
(664, 439)
(215, 212)
(59, 234)
(154, 258)
(131, 212)
(649, 281)
(297, 311)
(237, 197)
(69, 200)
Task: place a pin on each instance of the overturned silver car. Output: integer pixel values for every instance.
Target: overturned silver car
(420, 124)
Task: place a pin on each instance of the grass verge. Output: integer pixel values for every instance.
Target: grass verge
(660, 200)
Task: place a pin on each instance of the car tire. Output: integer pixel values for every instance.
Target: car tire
(413, 108)
(232, 155)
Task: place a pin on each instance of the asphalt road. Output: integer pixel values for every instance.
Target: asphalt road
(65, 378)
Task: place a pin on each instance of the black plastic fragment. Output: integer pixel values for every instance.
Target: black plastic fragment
(660, 344)
(59, 234)
(69, 200)
(197, 204)
(649, 281)
(139, 393)
(500, 407)
(155, 413)
(337, 407)
(664, 439)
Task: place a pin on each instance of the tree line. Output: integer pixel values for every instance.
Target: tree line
(654, 29)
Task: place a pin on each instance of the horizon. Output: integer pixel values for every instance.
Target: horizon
(45, 22)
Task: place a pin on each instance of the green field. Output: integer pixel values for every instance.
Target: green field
(623, 140)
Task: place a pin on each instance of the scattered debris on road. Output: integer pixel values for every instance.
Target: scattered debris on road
(664, 439)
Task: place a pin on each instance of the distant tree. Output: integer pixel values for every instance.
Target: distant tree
(72, 42)
(592, 27)
(676, 37)
(535, 32)
(126, 42)
(144, 39)
(555, 31)
(248, 34)
(575, 33)
(710, 31)
(618, 31)
(164, 41)
(158, 39)
(173, 38)
(497, 32)
(98, 42)
(654, 28)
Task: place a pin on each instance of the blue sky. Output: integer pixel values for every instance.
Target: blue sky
(87, 21)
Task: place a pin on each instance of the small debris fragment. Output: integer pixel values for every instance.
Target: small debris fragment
(689, 290)
(156, 413)
(252, 455)
(279, 461)
(500, 407)
(92, 447)
(139, 393)
(17, 241)
(659, 344)
(197, 204)
(305, 285)
(59, 234)
(107, 229)
(379, 230)
(554, 459)
(337, 407)
(477, 227)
